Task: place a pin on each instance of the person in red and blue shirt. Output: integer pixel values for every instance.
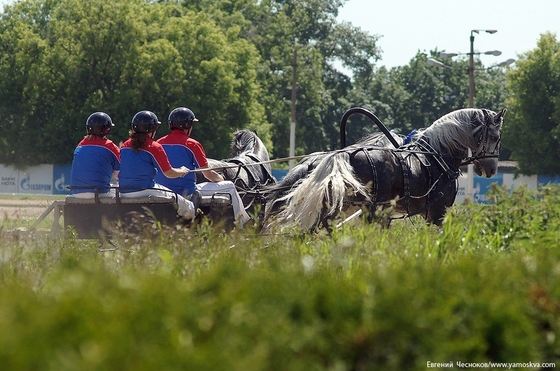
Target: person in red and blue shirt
(142, 158)
(182, 150)
(96, 159)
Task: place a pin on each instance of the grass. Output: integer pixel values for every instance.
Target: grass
(484, 287)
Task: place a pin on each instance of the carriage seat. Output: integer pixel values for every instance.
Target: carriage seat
(216, 199)
(88, 216)
(148, 199)
(122, 200)
(88, 201)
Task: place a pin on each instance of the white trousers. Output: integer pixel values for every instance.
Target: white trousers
(226, 186)
(185, 208)
(87, 195)
(90, 195)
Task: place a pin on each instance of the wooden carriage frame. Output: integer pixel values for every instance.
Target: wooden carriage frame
(94, 218)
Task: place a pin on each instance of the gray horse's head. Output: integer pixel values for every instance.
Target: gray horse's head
(477, 130)
(487, 133)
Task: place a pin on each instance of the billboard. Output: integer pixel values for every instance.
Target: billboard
(9, 179)
(481, 185)
(61, 179)
(42, 179)
(36, 180)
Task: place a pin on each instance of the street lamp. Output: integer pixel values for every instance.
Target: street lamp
(470, 71)
(471, 65)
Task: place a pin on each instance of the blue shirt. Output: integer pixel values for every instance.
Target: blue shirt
(139, 168)
(182, 151)
(95, 160)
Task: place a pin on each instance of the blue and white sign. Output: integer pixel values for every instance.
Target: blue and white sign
(37, 180)
(61, 179)
(481, 186)
(9, 179)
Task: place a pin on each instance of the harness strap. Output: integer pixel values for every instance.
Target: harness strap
(265, 170)
(445, 167)
(406, 181)
(429, 176)
(428, 204)
(374, 186)
(245, 164)
(472, 159)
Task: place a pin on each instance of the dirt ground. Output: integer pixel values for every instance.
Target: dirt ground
(13, 208)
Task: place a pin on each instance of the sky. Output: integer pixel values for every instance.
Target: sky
(408, 26)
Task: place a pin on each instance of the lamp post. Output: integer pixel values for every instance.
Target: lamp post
(471, 64)
(470, 72)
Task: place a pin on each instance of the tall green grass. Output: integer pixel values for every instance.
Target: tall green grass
(484, 287)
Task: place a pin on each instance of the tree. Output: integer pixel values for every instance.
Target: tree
(280, 28)
(63, 60)
(309, 27)
(413, 96)
(532, 130)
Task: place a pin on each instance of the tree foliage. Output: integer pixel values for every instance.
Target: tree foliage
(278, 29)
(231, 61)
(533, 127)
(64, 59)
(413, 96)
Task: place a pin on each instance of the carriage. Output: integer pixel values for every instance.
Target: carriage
(405, 175)
(100, 217)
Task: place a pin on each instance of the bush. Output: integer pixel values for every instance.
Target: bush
(362, 298)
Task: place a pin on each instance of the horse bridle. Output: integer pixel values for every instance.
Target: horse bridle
(483, 140)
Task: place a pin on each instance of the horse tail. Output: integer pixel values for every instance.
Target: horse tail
(321, 194)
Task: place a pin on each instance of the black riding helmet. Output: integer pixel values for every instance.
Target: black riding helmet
(99, 123)
(181, 118)
(145, 122)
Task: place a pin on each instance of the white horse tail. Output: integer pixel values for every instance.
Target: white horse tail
(321, 194)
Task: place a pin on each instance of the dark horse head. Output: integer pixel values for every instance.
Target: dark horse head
(245, 167)
(417, 178)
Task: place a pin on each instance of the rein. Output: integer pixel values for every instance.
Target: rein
(426, 149)
(473, 159)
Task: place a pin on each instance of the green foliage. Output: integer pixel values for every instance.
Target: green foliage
(521, 219)
(63, 60)
(278, 29)
(484, 287)
(231, 61)
(532, 132)
(415, 95)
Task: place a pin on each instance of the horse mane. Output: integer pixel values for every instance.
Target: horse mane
(453, 132)
(247, 141)
(243, 141)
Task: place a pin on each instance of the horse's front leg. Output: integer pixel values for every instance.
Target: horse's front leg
(380, 214)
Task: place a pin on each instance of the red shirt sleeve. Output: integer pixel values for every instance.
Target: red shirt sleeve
(198, 152)
(158, 152)
(113, 148)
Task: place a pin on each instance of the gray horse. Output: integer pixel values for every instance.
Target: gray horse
(418, 177)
